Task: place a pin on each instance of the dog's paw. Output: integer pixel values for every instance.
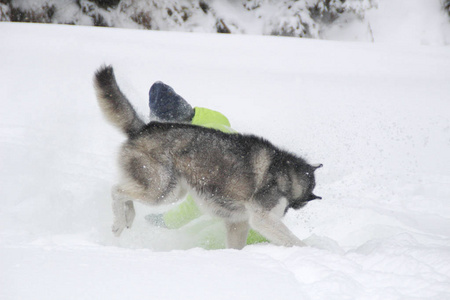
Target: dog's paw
(129, 216)
(117, 229)
(300, 243)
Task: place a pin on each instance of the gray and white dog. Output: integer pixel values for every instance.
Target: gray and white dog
(242, 179)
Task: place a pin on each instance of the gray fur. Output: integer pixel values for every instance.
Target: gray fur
(243, 179)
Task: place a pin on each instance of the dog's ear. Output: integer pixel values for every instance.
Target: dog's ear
(313, 197)
(315, 167)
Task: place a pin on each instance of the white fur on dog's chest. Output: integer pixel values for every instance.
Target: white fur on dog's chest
(280, 208)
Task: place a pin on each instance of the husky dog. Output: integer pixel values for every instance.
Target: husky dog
(242, 179)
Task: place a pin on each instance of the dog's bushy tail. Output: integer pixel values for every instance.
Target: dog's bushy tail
(115, 106)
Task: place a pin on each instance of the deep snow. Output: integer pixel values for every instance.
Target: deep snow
(376, 115)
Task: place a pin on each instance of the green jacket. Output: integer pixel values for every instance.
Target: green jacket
(211, 119)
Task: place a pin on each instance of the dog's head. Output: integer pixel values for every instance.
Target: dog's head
(303, 183)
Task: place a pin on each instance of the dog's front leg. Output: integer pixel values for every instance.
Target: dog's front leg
(237, 234)
(271, 227)
(123, 210)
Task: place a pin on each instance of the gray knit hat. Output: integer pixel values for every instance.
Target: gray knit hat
(168, 106)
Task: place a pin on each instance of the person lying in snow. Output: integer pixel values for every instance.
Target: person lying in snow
(167, 106)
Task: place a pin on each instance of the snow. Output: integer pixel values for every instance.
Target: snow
(420, 21)
(415, 22)
(376, 115)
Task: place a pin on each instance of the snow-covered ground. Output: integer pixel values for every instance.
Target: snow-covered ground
(376, 115)
(412, 22)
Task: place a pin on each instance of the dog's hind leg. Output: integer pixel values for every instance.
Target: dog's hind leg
(237, 234)
(123, 209)
(124, 194)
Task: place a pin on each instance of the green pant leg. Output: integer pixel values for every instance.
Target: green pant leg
(188, 211)
(255, 238)
(182, 214)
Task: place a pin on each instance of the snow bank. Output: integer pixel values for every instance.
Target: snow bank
(418, 22)
(376, 116)
(422, 22)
